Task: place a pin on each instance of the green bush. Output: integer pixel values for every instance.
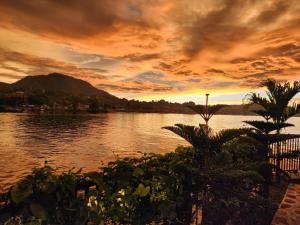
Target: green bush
(150, 189)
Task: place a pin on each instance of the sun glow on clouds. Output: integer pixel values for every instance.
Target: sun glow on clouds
(158, 49)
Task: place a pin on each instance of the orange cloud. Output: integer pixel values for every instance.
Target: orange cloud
(183, 47)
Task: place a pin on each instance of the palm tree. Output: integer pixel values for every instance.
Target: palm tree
(276, 105)
(276, 109)
(204, 139)
(206, 111)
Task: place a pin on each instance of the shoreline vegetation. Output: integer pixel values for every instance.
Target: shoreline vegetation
(223, 178)
(58, 93)
(13, 103)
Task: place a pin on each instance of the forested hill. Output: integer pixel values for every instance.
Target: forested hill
(66, 90)
(55, 83)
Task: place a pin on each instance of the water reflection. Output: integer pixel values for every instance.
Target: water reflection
(85, 140)
(51, 133)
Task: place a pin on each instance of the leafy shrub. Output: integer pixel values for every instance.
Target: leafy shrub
(243, 149)
(150, 189)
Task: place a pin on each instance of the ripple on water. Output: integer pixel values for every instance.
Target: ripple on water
(84, 141)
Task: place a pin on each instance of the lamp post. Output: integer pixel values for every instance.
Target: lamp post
(206, 109)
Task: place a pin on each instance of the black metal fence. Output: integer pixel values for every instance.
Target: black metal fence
(288, 151)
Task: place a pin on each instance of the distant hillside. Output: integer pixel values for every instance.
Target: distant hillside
(57, 88)
(168, 107)
(238, 110)
(56, 83)
(4, 87)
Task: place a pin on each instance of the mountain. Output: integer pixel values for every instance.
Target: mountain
(56, 83)
(4, 87)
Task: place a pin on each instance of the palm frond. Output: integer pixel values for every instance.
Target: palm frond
(226, 135)
(196, 136)
(276, 104)
(262, 113)
(273, 138)
(206, 112)
(259, 136)
(254, 98)
(291, 111)
(267, 127)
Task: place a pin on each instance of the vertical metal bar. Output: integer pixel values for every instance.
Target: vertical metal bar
(297, 148)
(284, 161)
(294, 149)
(288, 159)
(291, 149)
(286, 151)
(295, 159)
(286, 167)
(278, 153)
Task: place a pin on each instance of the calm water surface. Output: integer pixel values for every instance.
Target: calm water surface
(83, 141)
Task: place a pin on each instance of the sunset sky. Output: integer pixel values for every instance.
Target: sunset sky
(175, 50)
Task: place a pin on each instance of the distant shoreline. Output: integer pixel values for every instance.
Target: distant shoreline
(59, 93)
(141, 112)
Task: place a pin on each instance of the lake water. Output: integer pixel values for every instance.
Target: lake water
(83, 141)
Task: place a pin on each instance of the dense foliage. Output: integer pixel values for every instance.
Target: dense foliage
(153, 188)
(276, 108)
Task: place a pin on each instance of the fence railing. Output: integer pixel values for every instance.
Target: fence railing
(290, 160)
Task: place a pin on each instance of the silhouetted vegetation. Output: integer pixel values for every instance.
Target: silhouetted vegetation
(206, 111)
(153, 188)
(224, 175)
(61, 93)
(276, 109)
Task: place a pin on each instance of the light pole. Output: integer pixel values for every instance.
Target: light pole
(206, 109)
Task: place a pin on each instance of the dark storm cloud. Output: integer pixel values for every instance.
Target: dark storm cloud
(72, 18)
(222, 28)
(218, 29)
(178, 43)
(273, 13)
